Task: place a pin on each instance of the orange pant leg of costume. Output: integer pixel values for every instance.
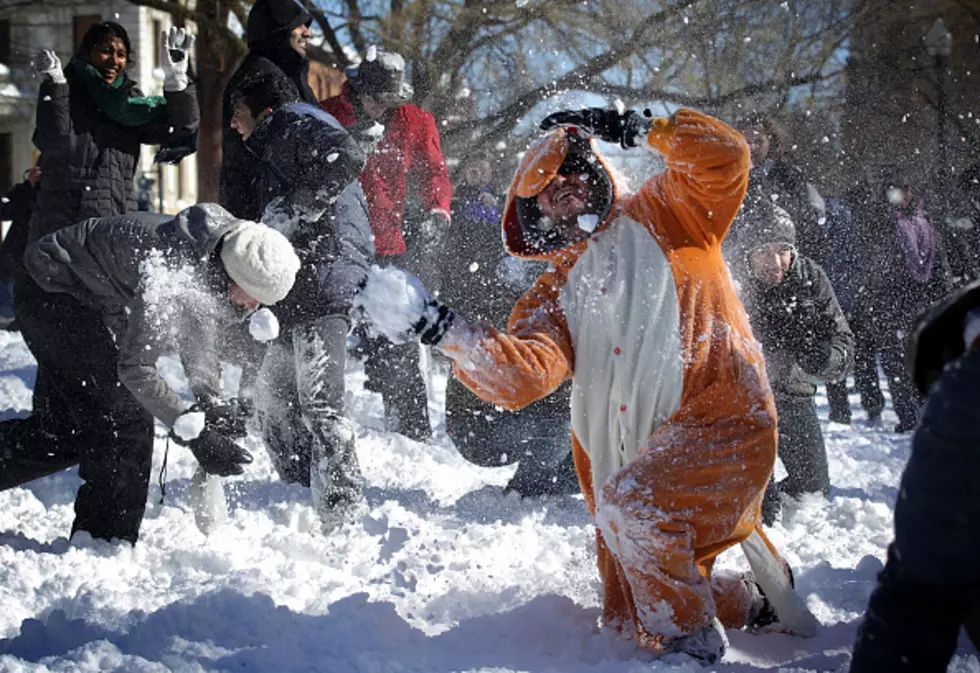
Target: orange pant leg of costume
(664, 518)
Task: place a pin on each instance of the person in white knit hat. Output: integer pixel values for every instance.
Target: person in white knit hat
(111, 295)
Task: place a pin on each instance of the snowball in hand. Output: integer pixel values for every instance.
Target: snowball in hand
(263, 325)
(394, 300)
(188, 426)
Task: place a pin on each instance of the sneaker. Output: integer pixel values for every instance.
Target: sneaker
(707, 645)
(904, 427)
(844, 418)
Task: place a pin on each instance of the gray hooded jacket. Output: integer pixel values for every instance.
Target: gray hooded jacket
(154, 280)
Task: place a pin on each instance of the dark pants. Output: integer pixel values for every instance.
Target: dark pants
(300, 403)
(840, 405)
(393, 370)
(802, 452)
(82, 415)
(536, 437)
(930, 585)
(866, 344)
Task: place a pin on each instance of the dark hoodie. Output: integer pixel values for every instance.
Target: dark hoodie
(307, 188)
(153, 280)
(270, 23)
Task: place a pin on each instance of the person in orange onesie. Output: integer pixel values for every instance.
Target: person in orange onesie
(673, 422)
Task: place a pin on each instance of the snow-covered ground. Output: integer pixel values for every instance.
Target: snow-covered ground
(443, 574)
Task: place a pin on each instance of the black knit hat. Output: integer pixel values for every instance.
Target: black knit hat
(270, 18)
(763, 223)
(381, 75)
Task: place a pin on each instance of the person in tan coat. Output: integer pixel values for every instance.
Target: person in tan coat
(673, 421)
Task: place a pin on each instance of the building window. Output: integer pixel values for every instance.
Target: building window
(5, 41)
(6, 162)
(81, 25)
(157, 45)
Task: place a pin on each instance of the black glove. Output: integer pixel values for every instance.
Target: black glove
(609, 125)
(434, 323)
(229, 418)
(217, 454)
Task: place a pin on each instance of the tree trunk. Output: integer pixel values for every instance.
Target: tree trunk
(218, 57)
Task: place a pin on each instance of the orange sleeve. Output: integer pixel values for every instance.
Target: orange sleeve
(529, 362)
(705, 181)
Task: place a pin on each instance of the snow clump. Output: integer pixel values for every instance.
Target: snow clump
(263, 325)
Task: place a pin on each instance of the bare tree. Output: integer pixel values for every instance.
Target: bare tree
(482, 65)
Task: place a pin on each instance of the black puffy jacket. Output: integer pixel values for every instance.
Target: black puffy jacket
(154, 280)
(269, 25)
(87, 159)
(804, 335)
(307, 187)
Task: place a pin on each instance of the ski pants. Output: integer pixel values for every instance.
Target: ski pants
(802, 452)
(801, 447)
(82, 415)
(664, 518)
(536, 437)
(300, 404)
(393, 370)
(930, 585)
(884, 337)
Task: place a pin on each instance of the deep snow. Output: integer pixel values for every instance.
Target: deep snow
(443, 574)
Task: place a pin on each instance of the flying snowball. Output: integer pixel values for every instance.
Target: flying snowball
(588, 222)
(263, 325)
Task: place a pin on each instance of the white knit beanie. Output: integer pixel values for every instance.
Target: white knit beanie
(259, 260)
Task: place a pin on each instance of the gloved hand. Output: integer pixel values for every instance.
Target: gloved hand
(47, 65)
(217, 454)
(400, 307)
(606, 124)
(228, 418)
(176, 46)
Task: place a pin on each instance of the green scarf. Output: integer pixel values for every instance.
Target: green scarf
(114, 100)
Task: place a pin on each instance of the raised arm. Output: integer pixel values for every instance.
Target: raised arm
(699, 194)
(53, 131)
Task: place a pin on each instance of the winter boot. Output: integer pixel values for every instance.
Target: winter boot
(707, 645)
(762, 613)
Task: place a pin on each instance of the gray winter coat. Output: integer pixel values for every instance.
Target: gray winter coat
(804, 335)
(88, 160)
(154, 279)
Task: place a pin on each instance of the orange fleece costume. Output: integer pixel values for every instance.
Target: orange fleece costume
(674, 430)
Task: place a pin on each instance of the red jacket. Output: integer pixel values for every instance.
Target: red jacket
(409, 149)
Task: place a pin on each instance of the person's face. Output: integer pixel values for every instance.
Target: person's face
(298, 39)
(240, 299)
(758, 145)
(109, 58)
(770, 262)
(374, 108)
(478, 173)
(564, 199)
(34, 175)
(242, 120)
